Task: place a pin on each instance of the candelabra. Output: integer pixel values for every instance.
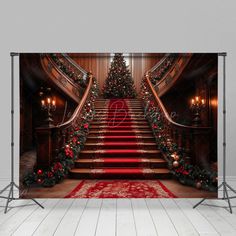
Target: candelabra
(197, 104)
(48, 105)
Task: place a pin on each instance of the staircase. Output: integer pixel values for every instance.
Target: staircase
(120, 144)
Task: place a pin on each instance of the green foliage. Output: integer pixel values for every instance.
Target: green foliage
(119, 83)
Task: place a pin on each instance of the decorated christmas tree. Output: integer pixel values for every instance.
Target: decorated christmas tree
(119, 83)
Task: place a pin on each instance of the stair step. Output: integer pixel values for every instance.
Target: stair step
(124, 153)
(120, 127)
(120, 173)
(120, 138)
(121, 162)
(119, 132)
(119, 112)
(120, 145)
(120, 119)
(119, 109)
(98, 115)
(119, 122)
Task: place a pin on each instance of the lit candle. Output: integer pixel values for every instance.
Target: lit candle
(197, 99)
(192, 101)
(43, 102)
(203, 102)
(53, 102)
(49, 100)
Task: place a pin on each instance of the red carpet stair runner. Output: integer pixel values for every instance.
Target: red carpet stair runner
(120, 144)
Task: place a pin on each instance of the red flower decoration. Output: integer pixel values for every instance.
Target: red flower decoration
(50, 174)
(74, 140)
(154, 126)
(57, 166)
(68, 151)
(86, 126)
(151, 103)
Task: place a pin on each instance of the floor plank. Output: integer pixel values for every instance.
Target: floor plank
(160, 218)
(182, 224)
(107, 220)
(143, 219)
(88, 223)
(118, 217)
(218, 222)
(125, 218)
(200, 223)
(71, 218)
(10, 225)
(50, 223)
(15, 206)
(28, 227)
(220, 209)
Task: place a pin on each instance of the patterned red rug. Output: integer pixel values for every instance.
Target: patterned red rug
(120, 189)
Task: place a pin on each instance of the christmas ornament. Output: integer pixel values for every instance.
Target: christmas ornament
(175, 164)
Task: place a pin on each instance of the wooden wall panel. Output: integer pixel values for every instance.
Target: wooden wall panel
(99, 63)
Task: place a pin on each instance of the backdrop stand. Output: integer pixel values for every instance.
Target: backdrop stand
(12, 184)
(224, 185)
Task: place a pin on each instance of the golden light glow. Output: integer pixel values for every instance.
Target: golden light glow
(214, 102)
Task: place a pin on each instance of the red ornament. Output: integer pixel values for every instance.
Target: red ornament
(39, 172)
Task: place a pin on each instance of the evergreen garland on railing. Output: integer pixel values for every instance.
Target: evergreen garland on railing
(159, 72)
(72, 72)
(69, 152)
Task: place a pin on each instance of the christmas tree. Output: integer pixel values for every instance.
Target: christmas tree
(119, 83)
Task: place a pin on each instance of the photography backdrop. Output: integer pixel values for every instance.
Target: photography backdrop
(158, 26)
(125, 132)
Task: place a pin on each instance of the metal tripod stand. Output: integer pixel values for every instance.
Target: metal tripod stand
(10, 197)
(224, 185)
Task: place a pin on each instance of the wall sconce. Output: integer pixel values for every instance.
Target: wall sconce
(197, 105)
(48, 104)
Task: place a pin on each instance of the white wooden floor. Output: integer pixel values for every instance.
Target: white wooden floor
(118, 217)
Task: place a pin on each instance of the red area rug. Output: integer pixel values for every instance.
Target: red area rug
(120, 189)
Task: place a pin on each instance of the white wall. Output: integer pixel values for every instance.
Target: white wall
(110, 26)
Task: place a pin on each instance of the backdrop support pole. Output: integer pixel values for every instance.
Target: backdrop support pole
(224, 185)
(12, 184)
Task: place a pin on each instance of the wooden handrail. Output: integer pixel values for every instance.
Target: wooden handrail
(65, 55)
(173, 73)
(51, 139)
(61, 72)
(192, 141)
(159, 63)
(79, 107)
(164, 111)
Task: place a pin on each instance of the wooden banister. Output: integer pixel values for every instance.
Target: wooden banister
(191, 140)
(164, 111)
(172, 74)
(60, 79)
(51, 139)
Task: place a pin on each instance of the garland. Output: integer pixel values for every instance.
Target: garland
(75, 75)
(68, 153)
(180, 167)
